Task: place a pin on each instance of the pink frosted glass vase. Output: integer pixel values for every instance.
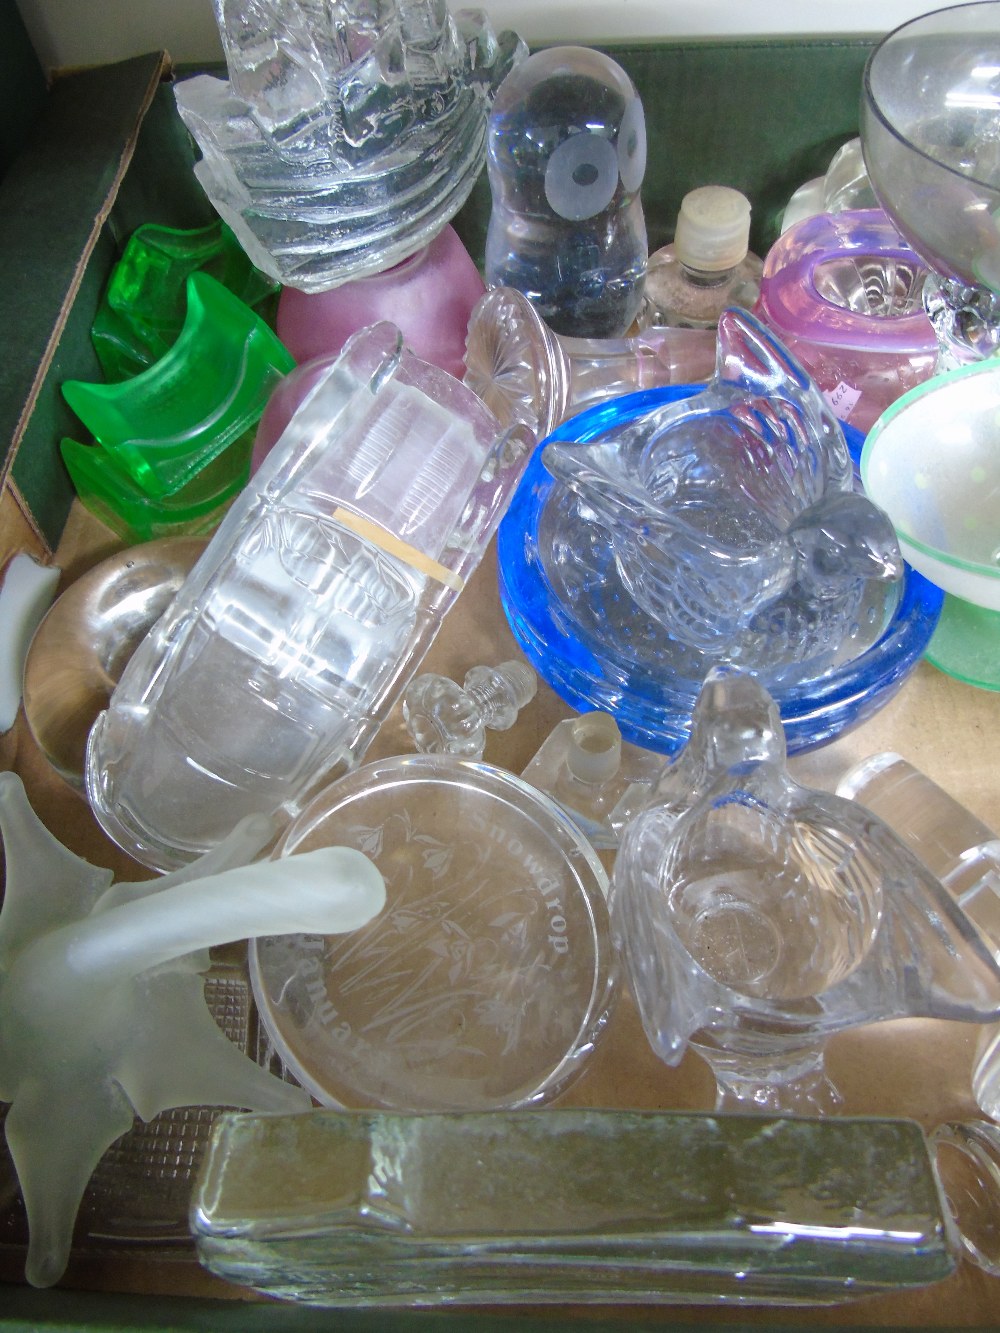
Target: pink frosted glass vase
(429, 298)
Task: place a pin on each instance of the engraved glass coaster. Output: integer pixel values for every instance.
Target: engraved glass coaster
(486, 980)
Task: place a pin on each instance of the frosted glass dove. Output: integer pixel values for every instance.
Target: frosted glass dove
(102, 1011)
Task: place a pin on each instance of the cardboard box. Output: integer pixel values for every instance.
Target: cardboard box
(108, 152)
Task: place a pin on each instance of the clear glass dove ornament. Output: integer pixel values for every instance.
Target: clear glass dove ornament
(732, 516)
(768, 916)
(347, 134)
(300, 625)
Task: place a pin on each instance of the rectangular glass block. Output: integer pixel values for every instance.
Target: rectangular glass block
(386, 1209)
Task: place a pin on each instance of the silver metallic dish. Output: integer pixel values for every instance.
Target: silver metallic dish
(86, 638)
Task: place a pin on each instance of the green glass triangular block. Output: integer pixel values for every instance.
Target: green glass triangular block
(167, 423)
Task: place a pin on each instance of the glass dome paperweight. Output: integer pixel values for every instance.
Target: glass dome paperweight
(346, 135)
(380, 1210)
(487, 980)
(930, 113)
(311, 607)
(931, 461)
(623, 608)
(566, 156)
(843, 293)
(766, 916)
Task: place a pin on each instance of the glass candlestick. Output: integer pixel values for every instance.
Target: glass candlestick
(526, 372)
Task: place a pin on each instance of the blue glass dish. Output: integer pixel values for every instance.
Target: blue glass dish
(653, 708)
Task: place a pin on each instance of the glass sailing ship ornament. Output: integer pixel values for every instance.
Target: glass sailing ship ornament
(347, 135)
(732, 514)
(309, 610)
(566, 156)
(767, 916)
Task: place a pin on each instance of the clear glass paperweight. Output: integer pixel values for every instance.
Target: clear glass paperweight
(569, 1206)
(845, 184)
(566, 156)
(569, 569)
(347, 135)
(309, 610)
(767, 916)
(487, 980)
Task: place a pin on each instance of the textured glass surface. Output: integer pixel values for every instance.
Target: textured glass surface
(732, 515)
(598, 650)
(310, 608)
(930, 112)
(347, 134)
(758, 916)
(566, 156)
(569, 1206)
(487, 980)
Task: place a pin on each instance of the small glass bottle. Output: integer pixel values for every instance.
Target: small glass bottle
(708, 267)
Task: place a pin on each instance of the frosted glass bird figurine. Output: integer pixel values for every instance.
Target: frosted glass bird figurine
(766, 916)
(732, 513)
(102, 1010)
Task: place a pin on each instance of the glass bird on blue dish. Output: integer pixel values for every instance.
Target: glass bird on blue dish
(664, 533)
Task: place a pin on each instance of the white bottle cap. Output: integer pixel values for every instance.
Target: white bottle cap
(713, 228)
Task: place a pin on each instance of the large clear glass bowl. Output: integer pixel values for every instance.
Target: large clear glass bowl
(653, 704)
(930, 126)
